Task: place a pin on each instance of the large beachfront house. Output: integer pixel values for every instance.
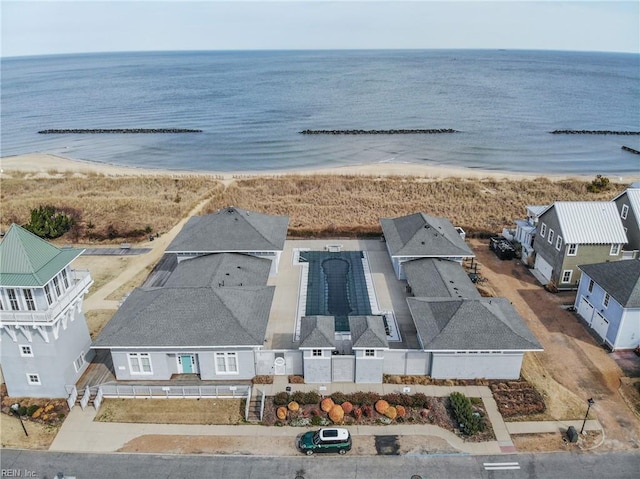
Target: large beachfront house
(628, 204)
(609, 302)
(214, 315)
(575, 233)
(45, 339)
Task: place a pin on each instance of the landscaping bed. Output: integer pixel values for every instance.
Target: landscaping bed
(517, 398)
(367, 408)
(39, 410)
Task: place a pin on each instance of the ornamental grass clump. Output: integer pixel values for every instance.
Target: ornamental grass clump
(470, 422)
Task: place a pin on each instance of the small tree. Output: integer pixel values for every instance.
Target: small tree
(48, 223)
(470, 422)
(601, 183)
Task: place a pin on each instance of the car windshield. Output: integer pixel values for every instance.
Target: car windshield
(316, 438)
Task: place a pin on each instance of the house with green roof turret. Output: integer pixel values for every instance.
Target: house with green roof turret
(43, 332)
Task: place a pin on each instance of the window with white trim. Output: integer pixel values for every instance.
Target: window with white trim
(369, 353)
(590, 288)
(226, 363)
(13, 299)
(615, 249)
(550, 239)
(558, 242)
(65, 279)
(140, 363)
(26, 351)
(605, 301)
(56, 285)
(79, 362)
(33, 379)
(28, 299)
(623, 213)
(47, 292)
(572, 249)
(543, 230)
(566, 275)
(316, 352)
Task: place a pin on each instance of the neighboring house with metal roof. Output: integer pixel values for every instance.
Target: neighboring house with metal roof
(422, 236)
(575, 233)
(45, 339)
(526, 230)
(608, 300)
(471, 338)
(232, 230)
(208, 319)
(628, 204)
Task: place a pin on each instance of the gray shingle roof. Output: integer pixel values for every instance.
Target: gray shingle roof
(231, 229)
(27, 260)
(190, 317)
(485, 324)
(220, 269)
(317, 332)
(439, 278)
(423, 235)
(621, 279)
(368, 332)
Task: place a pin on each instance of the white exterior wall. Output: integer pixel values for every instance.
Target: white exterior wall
(629, 331)
(317, 369)
(369, 369)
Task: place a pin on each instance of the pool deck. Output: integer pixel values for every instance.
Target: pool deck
(390, 292)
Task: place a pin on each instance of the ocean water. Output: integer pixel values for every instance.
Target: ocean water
(251, 107)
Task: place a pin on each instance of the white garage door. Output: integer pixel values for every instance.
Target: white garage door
(543, 267)
(585, 309)
(600, 325)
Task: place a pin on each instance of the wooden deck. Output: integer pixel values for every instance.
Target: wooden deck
(100, 371)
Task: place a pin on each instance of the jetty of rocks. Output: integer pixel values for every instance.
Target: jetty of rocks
(593, 132)
(116, 130)
(631, 150)
(378, 132)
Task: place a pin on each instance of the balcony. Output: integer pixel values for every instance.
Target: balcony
(80, 280)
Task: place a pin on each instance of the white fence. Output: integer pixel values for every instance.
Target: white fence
(182, 392)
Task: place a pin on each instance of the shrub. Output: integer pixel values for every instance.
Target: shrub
(397, 398)
(370, 398)
(281, 413)
(367, 410)
(470, 422)
(339, 397)
(299, 422)
(391, 412)
(357, 413)
(382, 406)
(262, 379)
(298, 396)
(281, 398)
(601, 183)
(400, 409)
(293, 379)
(336, 414)
(22, 411)
(317, 421)
(420, 400)
(347, 407)
(48, 223)
(326, 404)
(31, 409)
(293, 406)
(311, 397)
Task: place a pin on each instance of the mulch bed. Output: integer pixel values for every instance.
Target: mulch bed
(517, 398)
(43, 411)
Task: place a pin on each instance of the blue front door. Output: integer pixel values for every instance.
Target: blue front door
(187, 363)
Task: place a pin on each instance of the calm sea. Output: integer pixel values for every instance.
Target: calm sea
(251, 106)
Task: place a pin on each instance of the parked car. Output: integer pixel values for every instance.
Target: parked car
(329, 439)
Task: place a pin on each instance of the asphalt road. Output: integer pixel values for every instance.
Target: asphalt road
(45, 465)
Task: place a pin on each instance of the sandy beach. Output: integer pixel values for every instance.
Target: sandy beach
(42, 165)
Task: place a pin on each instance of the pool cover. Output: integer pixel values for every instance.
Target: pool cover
(336, 286)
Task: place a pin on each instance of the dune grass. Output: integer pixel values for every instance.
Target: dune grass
(318, 205)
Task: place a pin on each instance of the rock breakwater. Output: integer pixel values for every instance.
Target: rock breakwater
(593, 132)
(379, 132)
(100, 131)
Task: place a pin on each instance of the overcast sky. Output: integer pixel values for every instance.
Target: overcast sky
(49, 27)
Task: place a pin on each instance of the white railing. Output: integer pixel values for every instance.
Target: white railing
(98, 399)
(183, 392)
(73, 396)
(264, 395)
(247, 404)
(80, 280)
(85, 398)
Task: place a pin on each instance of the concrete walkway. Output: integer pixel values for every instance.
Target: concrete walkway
(80, 433)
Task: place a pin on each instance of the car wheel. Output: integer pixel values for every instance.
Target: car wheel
(309, 452)
(342, 451)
